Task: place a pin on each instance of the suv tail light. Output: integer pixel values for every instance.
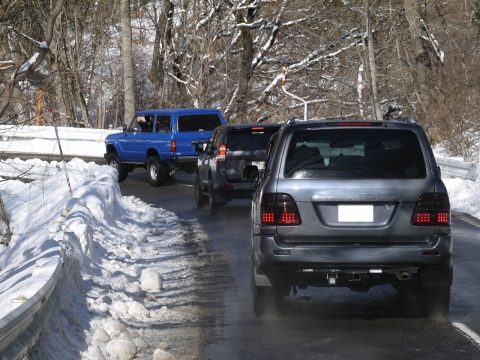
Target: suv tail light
(279, 209)
(173, 146)
(432, 209)
(222, 152)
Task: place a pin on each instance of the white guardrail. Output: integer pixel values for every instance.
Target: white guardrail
(40, 141)
(22, 327)
(456, 168)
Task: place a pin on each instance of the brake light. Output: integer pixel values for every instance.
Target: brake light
(432, 209)
(222, 152)
(268, 218)
(279, 209)
(173, 146)
(268, 209)
(443, 217)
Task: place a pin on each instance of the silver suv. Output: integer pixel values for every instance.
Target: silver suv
(353, 204)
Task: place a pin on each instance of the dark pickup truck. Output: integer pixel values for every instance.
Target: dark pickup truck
(161, 141)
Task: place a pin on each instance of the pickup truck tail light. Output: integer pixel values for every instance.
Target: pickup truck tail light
(432, 209)
(279, 209)
(173, 146)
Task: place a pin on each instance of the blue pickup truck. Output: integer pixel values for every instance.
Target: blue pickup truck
(161, 141)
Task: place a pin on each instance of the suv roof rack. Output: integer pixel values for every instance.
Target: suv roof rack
(291, 120)
(406, 119)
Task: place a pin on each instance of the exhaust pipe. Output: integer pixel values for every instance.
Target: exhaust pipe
(404, 275)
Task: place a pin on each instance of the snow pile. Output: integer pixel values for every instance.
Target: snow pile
(125, 267)
(464, 194)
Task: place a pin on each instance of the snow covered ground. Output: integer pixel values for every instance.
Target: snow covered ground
(129, 267)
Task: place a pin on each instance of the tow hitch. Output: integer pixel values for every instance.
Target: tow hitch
(332, 278)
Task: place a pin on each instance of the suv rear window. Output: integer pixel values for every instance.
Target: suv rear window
(250, 138)
(204, 122)
(354, 154)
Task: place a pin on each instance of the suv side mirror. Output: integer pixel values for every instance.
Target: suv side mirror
(124, 128)
(250, 172)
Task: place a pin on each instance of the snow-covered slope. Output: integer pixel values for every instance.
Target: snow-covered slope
(126, 271)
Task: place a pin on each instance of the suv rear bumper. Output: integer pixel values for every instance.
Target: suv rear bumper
(234, 189)
(428, 264)
(271, 252)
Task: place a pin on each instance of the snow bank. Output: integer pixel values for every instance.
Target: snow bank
(464, 194)
(124, 270)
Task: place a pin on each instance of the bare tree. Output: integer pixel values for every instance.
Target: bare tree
(28, 67)
(128, 73)
(372, 67)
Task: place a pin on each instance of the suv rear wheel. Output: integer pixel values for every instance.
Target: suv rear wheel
(114, 161)
(266, 299)
(213, 205)
(434, 302)
(200, 199)
(157, 172)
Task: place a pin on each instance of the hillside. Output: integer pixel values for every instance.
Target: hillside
(421, 59)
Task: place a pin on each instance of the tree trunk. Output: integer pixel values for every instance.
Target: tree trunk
(162, 45)
(245, 72)
(376, 108)
(128, 74)
(18, 76)
(421, 56)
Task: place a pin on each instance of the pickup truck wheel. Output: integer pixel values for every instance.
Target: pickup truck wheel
(434, 302)
(114, 161)
(200, 198)
(213, 205)
(157, 172)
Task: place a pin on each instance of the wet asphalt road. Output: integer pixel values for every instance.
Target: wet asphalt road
(318, 323)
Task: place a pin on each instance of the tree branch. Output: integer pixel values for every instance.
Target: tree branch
(29, 67)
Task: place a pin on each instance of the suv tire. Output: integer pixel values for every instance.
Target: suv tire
(213, 205)
(434, 301)
(200, 199)
(157, 172)
(114, 161)
(266, 299)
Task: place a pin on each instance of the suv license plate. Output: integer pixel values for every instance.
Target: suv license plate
(355, 213)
